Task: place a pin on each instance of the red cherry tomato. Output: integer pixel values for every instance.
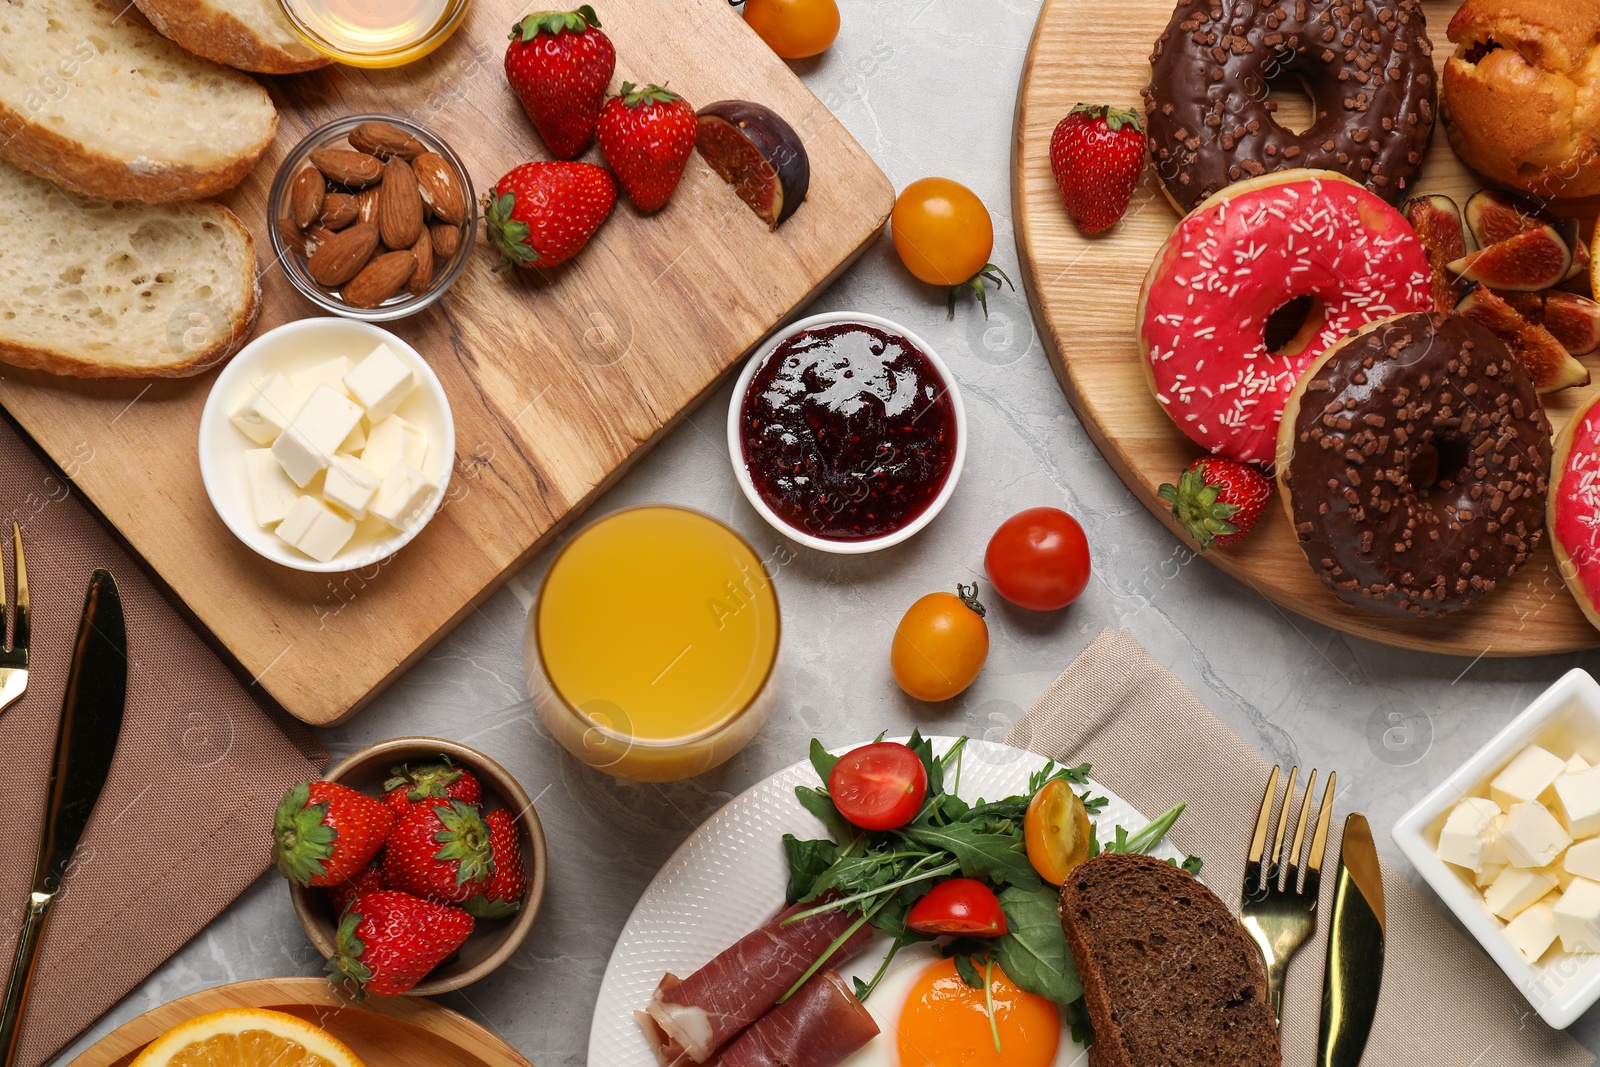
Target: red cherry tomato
(1039, 559)
(879, 786)
(960, 906)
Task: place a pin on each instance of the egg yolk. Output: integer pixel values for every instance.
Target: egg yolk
(944, 1023)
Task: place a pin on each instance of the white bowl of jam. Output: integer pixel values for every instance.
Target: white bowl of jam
(847, 432)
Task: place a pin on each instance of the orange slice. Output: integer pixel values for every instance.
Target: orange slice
(246, 1037)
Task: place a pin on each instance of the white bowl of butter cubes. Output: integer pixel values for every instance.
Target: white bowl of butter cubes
(326, 444)
(1511, 843)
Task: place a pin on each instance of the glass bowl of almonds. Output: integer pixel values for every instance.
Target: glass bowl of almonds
(372, 217)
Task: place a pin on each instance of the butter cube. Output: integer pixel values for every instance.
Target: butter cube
(1534, 931)
(310, 441)
(406, 493)
(1578, 801)
(1532, 836)
(1577, 916)
(272, 405)
(272, 494)
(380, 382)
(350, 486)
(394, 440)
(354, 441)
(1490, 872)
(1467, 832)
(1577, 763)
(1583, 859)
(1494, 846)
(329, 372)
(1515, 890)
(316, 529)
(1526, 776)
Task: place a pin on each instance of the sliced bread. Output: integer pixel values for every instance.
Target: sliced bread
(102, 289)
(1169, 978)
(248, 34)
(94, 100)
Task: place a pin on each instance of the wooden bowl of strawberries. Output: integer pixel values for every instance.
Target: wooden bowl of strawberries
(416, 865)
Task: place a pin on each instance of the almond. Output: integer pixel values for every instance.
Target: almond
(367, 205)
(399, 205)
(346, 167)
(439, 188)
(383, 140)
(291, 235)
(306, 194)
(446, 239)
(422, 277)
(339, 210)
(315, 237)
(379, 280)
(340, 257)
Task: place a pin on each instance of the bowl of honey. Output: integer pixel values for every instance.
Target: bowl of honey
(362, 33)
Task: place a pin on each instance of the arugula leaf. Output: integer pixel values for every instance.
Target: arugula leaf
(924, 750)
(1002, 859)
(1078, 775)
(1150, 836)
(808, 860)
(1076, 1016)
(1034, 952)
(1192, 864)
(968, 970)
(820, 804)
(822, 760)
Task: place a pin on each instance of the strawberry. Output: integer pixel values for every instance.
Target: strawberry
(541, 214)
(1218, 500)
(440, 851)
(368, 879)
(1097, 155)
(503, 895)
(324, 833)
(647, 136)
(443, 780)
(559, 64)
(388, 942)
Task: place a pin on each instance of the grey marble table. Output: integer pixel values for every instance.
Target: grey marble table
(927, 86)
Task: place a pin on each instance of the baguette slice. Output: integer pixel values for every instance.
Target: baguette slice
(97, 102)
(247, 34)
(1169, 978)
(102, 289)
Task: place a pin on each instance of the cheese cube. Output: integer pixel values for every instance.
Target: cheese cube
(1515, 890)
(1533, 837)
(1583, 859)
(1578, 801)
(1577, 763)
(394, 440)
(1534, 931)
(1577, 916)
(380, 382)
(405, 494)
(316, 529)
(329, 372)
(273, 404)
(1490, 872)
(310, 441)
(272, 494)
(1467, 832)
(350, 486)
(1526, 776)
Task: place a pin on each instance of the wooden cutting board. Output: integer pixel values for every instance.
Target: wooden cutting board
(557, 383)
(381, 1031)
(1085, 292)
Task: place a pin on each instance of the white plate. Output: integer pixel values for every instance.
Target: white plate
(728, 878)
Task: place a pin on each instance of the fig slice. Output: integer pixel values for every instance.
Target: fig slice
(1493, 216)
(1551, 366)
(1571, 319)
(1525, 263)
(753, 149)
(1437, 221)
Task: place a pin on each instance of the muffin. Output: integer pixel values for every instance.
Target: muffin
(1521, 95)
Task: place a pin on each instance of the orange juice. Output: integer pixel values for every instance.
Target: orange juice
(375, 33)
(652, 645)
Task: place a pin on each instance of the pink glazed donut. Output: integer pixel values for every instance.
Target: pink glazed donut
(1240, 256)
(1573, 507)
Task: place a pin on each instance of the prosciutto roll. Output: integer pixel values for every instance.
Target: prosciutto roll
(696, 1016)
(820, 1026)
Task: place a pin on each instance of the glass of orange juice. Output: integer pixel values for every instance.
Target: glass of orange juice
(375, 33)
(652, 648)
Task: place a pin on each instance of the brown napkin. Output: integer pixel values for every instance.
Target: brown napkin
(183, 826)
(1153, 743)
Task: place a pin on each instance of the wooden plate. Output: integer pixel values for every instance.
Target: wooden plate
(383, 1031)
(1084, 293)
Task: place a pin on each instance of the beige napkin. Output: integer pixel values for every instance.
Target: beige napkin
(1444, 1002)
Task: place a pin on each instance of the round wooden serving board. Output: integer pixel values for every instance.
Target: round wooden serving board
(1084, 292)
(383, 1031)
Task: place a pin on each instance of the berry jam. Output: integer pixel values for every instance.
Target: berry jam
(848, 432)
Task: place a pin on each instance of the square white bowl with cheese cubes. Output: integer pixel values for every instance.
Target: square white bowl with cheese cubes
(1511, 843)
(327, 444)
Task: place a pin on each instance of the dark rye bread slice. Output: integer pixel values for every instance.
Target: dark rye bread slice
(1169, 977)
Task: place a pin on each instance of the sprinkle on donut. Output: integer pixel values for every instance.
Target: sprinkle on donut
(1415, 461)
(1574, 508)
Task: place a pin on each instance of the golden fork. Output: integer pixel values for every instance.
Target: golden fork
(14, 656)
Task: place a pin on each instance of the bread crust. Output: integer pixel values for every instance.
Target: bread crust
(221, 36)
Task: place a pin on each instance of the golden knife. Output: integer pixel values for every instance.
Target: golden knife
(1354, 972)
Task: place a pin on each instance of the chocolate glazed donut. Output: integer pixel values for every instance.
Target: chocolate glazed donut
(1368, 65)
(1415, 459)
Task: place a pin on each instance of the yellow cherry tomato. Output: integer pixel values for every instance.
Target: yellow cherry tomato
(942, 231)
(1056, 830)
(940, 645)
(795, 29)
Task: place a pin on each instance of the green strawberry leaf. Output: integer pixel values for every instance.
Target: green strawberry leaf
(633, 96)
(509, 234)
(345, 964)
(302, 842)
(553, 22)
(465, 840)
(485, 907)
(1195, 505)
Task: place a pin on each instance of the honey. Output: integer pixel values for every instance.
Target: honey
(375, 33)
